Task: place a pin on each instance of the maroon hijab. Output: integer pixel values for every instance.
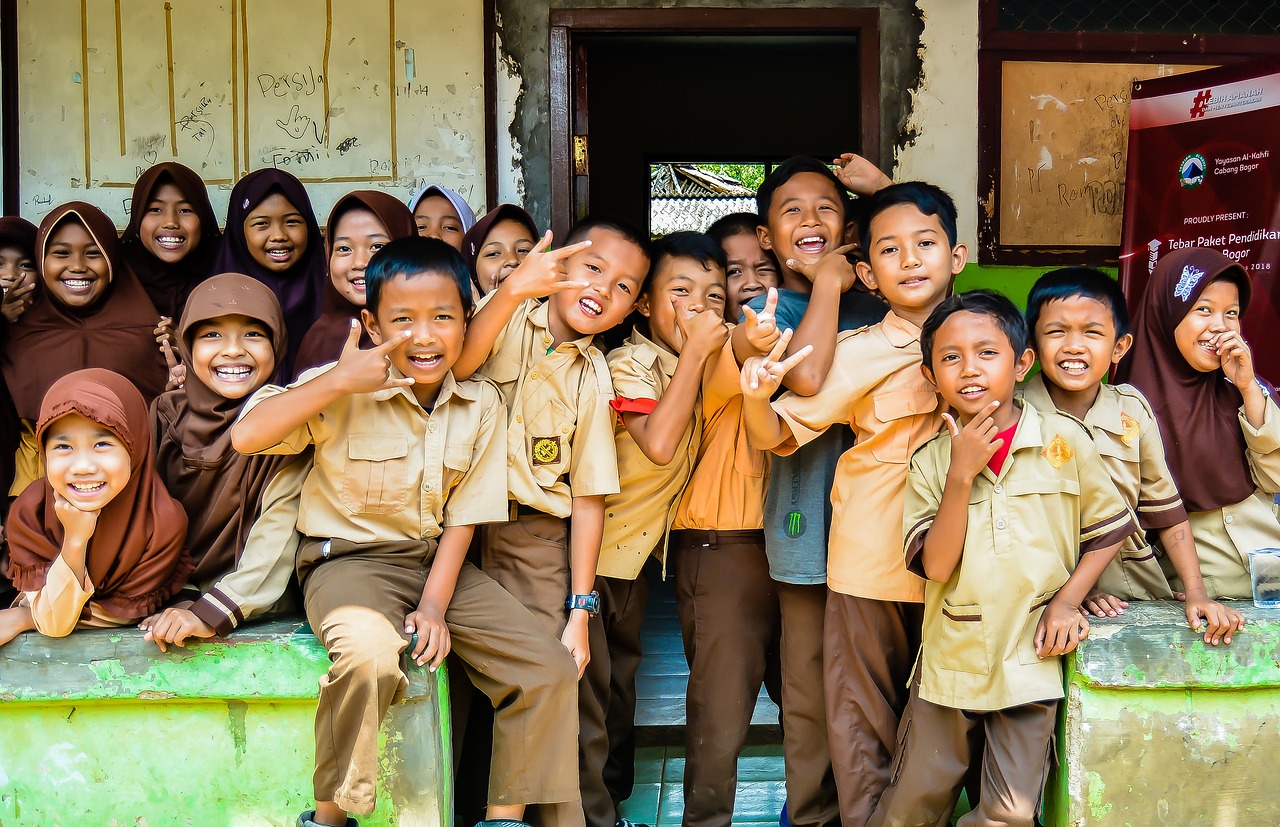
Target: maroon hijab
(323, 342)
(1197, 412)
(474, 239)
(168, 285)
(115, 333)
(136, 557)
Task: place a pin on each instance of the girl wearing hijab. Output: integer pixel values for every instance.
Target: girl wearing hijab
(1219, 420)
(98, 542)
(272, 236)
(360, 224)
(172, 235)
(90, 312)
(17, 266)
(441, 213)
(228, 336)
(496, 245)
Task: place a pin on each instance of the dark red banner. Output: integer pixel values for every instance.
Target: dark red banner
(1204, 171)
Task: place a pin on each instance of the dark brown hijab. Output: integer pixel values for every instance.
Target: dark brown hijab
(116, 333)
(1197, 412)
(474, 239)
(323, 342)
(168, 285)
(220, 489)
(136, 558)
(22, 233)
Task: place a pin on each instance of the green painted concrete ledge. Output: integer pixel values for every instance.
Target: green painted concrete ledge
(101, 728)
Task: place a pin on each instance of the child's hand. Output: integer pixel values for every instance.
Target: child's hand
(1101, 604)
(543, 271)
(860, 176)
(433, 642)
(973, 446)
(1060, 630)
(762, 328)
(174, 625)
(368, 371)
(762, 375)
(177, 370)
(575, 640)
(164, 330)
(1219, 621)
(1236, 357)
(701, 333)
(833, 266)
(17, 299)
(77, 525)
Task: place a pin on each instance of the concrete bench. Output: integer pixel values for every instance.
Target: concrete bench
(101, 728)
(1161, 729)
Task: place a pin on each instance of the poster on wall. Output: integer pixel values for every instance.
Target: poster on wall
(1204, 171)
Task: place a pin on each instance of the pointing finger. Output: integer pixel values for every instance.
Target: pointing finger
(565, 252)
(780, 347)
(771, 301)
(951, 424)
(796, 358)
(399, 340)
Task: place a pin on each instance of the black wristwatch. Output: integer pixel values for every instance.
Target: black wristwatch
(588, 602)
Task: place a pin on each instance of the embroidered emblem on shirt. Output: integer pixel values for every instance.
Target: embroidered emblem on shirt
(546, 450)
(1187, 282)
(1058, 452)
(1130, 426)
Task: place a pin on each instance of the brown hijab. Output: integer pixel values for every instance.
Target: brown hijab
(136, 558)
(475, 237)
(116, 333)
(1197, 411)
(168, 285)
(323, 342)
(220, 488)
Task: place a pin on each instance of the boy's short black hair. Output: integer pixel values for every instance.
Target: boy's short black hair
(700, 247)
(789, 169)
(626, 229)
(415, 256)
(1066, 282)
(984, 303)
(738, 223)
(927, 198)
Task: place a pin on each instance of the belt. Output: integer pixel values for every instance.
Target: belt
(711, 538)
(518, 510)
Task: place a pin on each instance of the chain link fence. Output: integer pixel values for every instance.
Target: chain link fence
(1200, 17)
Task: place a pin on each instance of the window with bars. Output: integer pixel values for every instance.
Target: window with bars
(1239, 17)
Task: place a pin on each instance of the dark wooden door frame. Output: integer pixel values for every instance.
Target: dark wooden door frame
(566, 23)
(10, 200)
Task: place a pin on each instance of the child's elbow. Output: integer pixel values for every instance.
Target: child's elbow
(803, 382)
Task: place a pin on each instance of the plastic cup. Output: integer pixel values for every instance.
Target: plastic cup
(1264, 570)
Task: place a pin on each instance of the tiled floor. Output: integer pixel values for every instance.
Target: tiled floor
(658, 799)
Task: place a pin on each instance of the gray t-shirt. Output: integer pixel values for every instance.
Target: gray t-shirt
(797, 507)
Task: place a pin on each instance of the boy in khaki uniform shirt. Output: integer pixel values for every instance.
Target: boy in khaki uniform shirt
(404, 461)
(560, 452)
(1080, 323)
(1011, 517)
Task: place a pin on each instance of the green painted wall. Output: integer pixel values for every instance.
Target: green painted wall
(1014, 282)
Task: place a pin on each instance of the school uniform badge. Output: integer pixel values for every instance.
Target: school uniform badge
(1130, 426)
(1058, 452)
(545, 450)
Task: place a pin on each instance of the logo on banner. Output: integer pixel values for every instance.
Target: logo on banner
(1191, 171)
(1153, 253)
(1200, 105)
(1187, 282)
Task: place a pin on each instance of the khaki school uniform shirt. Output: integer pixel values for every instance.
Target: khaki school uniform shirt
(637, 518)
(386, 469)
(1225, 537)
(726, 489)
(1052, 501)
(560, 425)
(875, 385)
(1127, 437)
(59, 606)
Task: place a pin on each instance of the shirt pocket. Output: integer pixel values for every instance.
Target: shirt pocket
(962, 641)
(1026, 645)
(548, 438)
(1045, 486)
(895, 412)
(376, 478)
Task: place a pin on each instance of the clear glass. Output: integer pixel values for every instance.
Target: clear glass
(1264, 568)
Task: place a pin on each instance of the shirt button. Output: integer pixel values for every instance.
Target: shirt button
(533, 375)
(431, 426)
(999, 488)
(566, 430)
(1000, 524)
(1230, 519)
(519, 418)
(426, 486)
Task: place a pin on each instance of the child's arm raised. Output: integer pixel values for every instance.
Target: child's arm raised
(972, 447)
(427, 621)
(540, 274)
(56, 608)
(860, 176)
(1237, 364)
(761, 377)
(758, 331)
(832, 276)
(658, 432)
(274, 418)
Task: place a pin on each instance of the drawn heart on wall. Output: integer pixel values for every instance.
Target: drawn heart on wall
(150, 156)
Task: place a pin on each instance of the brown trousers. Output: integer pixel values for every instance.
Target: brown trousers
(357, 597)
(869, 647)
(812, 800)
(935, 747)
(728, 611)
(611, 676)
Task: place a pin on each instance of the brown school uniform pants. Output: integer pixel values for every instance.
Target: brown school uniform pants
(812, 800)
(868, 649)
(728, 610)
(611, 676)
(935, 747)
(357, 597)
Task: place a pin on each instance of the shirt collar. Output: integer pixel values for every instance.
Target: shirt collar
(899, 331)
(1104, 413)
(540, 318)
(666, 360)
(448, 388)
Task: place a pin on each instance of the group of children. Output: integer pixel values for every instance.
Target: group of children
(866, 505)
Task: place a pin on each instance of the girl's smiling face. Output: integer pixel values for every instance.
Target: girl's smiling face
(86, 463)
(436, 218)
(232, 355)
(505, 246)
(357, 235)
(276, 233)
(1216, 311)
(76, 273)
(170, 228)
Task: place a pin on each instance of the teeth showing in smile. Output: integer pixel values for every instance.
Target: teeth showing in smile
(970, 389)
(358, 283)
(1073, 364)
(591, 307)
(811, 243)
(280, 254)
(171, 240)
(77, 284)
(86, 487)
(233, 372)
(426, 361)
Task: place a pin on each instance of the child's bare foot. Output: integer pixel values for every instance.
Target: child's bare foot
(14, 622)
